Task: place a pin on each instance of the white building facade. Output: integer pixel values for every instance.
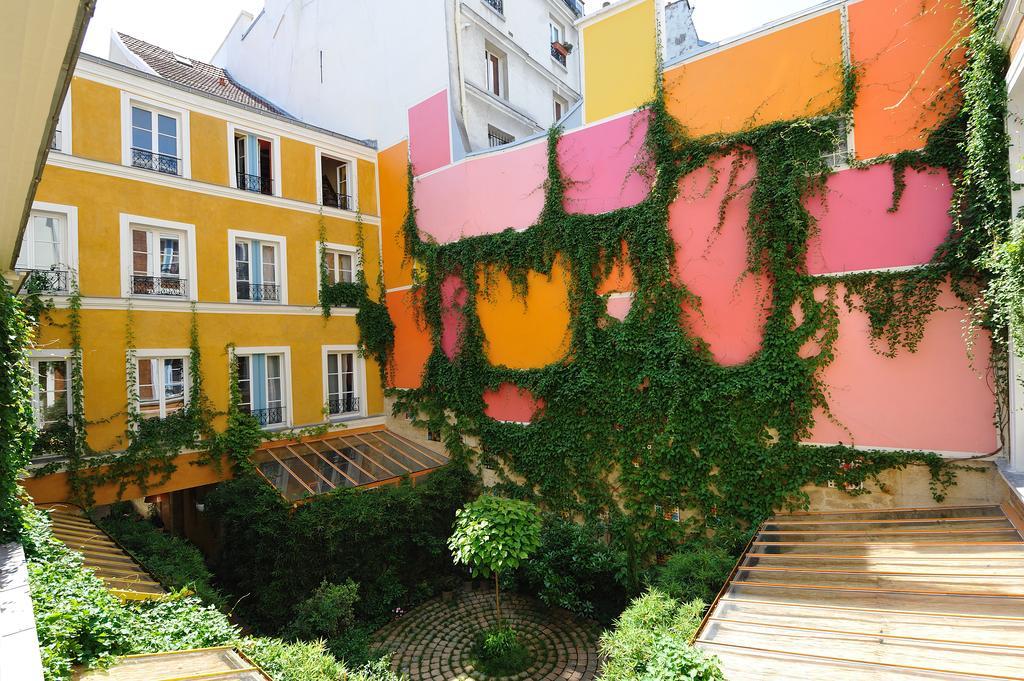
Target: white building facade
(511, 67)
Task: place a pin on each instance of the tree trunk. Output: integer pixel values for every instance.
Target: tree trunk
(497, 597)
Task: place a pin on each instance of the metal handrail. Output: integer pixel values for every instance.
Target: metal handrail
(151, 160)
(271, 416)
(254, 183)
(51, 280)
(159, 286)
(258, 292)
(342, 404)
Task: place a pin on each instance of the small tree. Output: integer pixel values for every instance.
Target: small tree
(493, 534)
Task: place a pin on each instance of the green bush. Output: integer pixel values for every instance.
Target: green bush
(17, 425)
(175, 562)
(327, 613)
(650, 642)
(308, 661)
(391, 541)
(575, 569)
(497, 652)
(696, 571)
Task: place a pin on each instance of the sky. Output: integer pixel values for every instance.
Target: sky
(195, 28)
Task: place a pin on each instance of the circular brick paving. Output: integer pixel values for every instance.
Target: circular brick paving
(433, 642)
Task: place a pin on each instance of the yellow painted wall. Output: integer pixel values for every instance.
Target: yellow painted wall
(298, 170)
(789, 73)
(209, 148)
(367, 186)
(96, 120)
(619, 61)
(530, 335)
(101, 200)
(394, 197)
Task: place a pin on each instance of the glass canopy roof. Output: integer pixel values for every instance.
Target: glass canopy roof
(360, 459)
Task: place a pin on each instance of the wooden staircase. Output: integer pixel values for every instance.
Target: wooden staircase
(889, 594)
(123, 576)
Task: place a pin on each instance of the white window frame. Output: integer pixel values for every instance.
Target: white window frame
(489, 52)
(275, 155)
(560, 101)
(128, 100)
(353, 177)
(50, 355)
(286, 389)
(70, 215)
(183, 354)
(357, 260)
(64, 122)
(188, 259)
(282, 265)
(358, 366)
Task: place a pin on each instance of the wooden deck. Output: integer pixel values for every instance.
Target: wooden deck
(123, 576)
(208, 664)
(890, 594)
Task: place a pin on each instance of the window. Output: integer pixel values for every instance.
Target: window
(48, 247)
(155, 140)
(254, 159)
(258, 269)
(560, 107)
(839, 157)
(161, 385)
(495, 66)
(558, 51)
(342, 396)
(337, 182)
(51, 398)
(342, 262)
(157, 265)
(62, 133)
(496, 137)
(497, 5)
(262, 384)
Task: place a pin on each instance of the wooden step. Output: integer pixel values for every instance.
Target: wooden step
(896, 513)
(912, 564)
(823, 577)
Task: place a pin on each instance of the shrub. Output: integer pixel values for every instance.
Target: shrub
(696, 571)
(175, 562)
(576, 570)
(327, 613)
(391, 541)
(309, 661)
(498, 653)
(650, 642)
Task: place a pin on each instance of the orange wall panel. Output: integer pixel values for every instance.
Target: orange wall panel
(393, 163)
(526, 334)
(792, 72)
(367, 199)
(412, 342)
(905, 51)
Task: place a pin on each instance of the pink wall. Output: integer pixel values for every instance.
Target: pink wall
(933, 399)
(605, 165)
(483, 195)
(619, 306)
(732, 311)
(430, 134)
(856, 231)
(510, 403)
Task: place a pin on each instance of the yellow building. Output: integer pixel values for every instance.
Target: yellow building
(171, 188)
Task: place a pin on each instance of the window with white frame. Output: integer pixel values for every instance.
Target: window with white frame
(337, 182)
(494, 62)
(559, 52)
(61, 140)
(158, 261)
(262, 384)
(254, 162)
(44, 251)
(342, 382)
(161, 384)
(560, 107)
(156, 142)
(51, 394)
(258, 270)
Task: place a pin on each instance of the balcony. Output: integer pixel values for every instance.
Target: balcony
(161, 163)
(254, 183)
(575, 6)
(342, 404)
(174, 287)
(333, 199)
(497, 5)
(260, 293)
(559, 53)
(497, 138)
(46, 281)
(271, 416)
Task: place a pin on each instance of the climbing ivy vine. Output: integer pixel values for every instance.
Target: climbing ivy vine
(639, 415)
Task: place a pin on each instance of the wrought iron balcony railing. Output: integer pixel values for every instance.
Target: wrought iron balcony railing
(176, 287)
(270, 293)
(47, 281)
(498, 5)
(557, 54)
(496, 139)
(335, 200)
(342, 404)
(271, 416)
(254, 183)
(161, 163)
